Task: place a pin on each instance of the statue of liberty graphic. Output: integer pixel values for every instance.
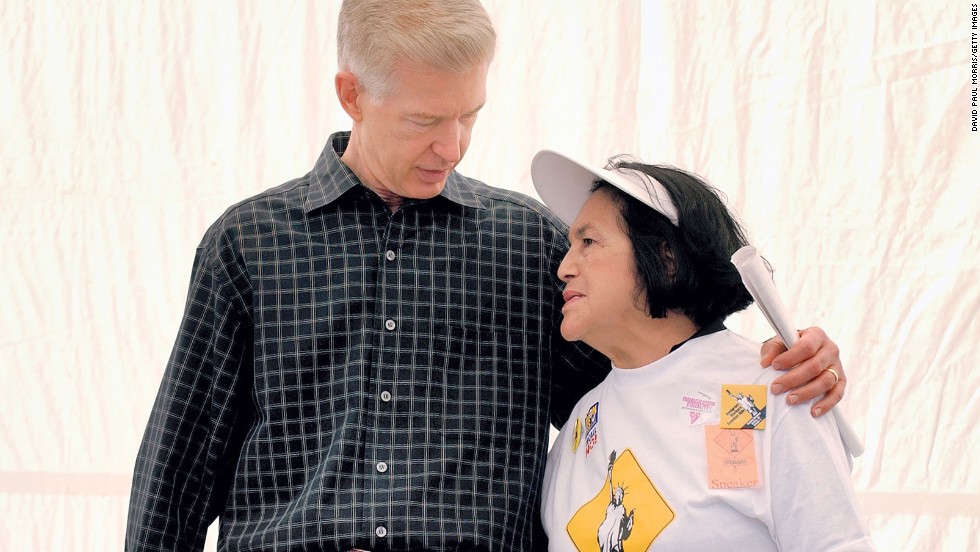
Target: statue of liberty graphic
(617, 525)
(747, 402)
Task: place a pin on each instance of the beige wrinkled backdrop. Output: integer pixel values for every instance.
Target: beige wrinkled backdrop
(840, 131)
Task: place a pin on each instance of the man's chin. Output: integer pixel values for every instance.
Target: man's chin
(427, 190)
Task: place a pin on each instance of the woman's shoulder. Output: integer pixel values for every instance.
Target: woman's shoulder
(728, 355)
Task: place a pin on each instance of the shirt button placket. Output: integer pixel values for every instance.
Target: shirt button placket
(390, 308)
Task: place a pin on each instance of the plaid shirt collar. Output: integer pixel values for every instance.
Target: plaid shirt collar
(331, 178)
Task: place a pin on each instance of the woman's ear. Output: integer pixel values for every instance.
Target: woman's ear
(668, 257)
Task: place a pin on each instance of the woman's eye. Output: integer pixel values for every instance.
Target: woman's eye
(587, 241)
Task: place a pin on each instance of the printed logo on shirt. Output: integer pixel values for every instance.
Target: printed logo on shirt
(576, 435)
(730, 455)
(743, 406)
(591, 428)
(697, 407)
(628, 512)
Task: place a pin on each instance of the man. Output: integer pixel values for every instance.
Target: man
(369, 357)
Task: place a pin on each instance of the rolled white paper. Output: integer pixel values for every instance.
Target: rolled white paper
(757, 280)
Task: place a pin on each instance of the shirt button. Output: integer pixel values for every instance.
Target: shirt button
(390, 255)
(381, 531)
(390, 324)
(382, 467)
(385, 396)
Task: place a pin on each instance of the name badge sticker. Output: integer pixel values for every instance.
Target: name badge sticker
(730, 455)
(591, 428)
(697, 407)
(743, 406)
(576, 435)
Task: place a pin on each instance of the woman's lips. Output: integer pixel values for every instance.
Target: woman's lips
(570, 296)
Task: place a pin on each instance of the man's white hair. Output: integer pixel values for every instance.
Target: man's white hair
(451, 36)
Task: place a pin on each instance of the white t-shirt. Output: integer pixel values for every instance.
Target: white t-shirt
(649, 425)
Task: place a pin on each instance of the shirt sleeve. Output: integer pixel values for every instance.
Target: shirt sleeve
(812, 497)
(187, 458)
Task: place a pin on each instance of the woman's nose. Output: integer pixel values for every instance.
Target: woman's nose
(566, 269)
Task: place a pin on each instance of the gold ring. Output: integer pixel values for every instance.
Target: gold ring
(836, 376)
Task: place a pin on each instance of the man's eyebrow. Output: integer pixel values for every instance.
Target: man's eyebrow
(425, 115)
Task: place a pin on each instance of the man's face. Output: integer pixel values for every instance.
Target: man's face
(411, 139)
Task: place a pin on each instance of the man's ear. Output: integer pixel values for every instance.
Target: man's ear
(350, 93)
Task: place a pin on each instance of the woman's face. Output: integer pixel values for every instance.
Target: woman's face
(601, 298)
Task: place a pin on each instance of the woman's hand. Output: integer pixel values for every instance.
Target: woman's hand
(813, 367)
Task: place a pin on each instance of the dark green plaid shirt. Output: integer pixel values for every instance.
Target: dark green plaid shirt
(348, 377)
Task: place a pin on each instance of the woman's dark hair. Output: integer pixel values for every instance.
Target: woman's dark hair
(686, 267)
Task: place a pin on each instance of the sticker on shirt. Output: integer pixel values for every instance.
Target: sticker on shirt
(628, 512)
(696, 408)
(730, 458)
(576, 435)
(743, 406)
(591, 428)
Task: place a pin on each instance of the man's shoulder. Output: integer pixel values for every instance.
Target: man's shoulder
(499, 199)
(288, 195)
(251, 214)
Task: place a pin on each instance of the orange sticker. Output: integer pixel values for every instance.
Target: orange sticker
(730, 458)
(743, 406)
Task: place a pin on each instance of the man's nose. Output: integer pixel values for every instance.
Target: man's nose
(448, 144)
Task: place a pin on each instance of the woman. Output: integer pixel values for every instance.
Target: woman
(681, 447)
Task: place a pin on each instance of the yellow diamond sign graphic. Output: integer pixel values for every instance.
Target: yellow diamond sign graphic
(626, 515)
